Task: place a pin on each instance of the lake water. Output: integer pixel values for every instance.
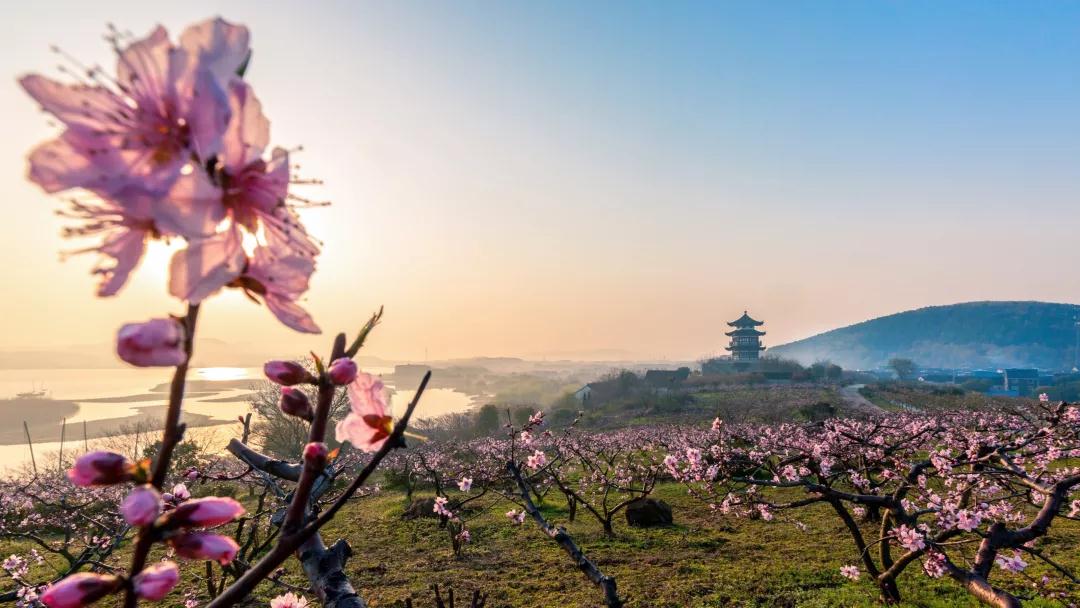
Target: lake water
(79, 385)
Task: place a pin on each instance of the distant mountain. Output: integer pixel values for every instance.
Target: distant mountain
(209, 352)
(973, 335)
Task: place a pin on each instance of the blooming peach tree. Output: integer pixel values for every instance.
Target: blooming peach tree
(966, 494)
(173, 145)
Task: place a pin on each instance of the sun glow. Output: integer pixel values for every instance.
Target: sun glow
(221, 373)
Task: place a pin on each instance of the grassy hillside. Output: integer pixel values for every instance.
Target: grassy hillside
(974, 334)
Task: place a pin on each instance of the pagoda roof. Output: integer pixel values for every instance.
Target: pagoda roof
(745, 321)
(743, 332)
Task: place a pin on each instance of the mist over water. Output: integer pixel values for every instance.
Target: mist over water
(123, 396)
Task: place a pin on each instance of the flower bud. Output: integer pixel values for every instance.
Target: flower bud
(155, 582)
(204, 513)
(155, 343)
(342, 371)
(205, 546)
(287, 373)
(100, 469)
(180, 493)
(142, 506)
(294, 402)
(315, 453)
(79, 590)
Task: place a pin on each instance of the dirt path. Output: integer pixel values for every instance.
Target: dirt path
(856, 401)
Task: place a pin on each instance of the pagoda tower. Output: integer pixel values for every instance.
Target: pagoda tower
(745, 339)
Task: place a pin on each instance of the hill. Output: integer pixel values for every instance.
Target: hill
(972, 335)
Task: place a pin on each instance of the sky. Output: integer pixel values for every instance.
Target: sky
(606, 179)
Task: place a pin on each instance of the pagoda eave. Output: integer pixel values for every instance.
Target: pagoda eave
(745, 321)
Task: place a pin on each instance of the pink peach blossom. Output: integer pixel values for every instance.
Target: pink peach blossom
(252, 194)
(204, 513)
(286, 373)
(100, 469)
(342, 371)
(154, 343)
(295, 402)
(280, 277)
(205, 546)
(166, 103)
(129, 137)
(1012, 564)
(156, 581)
(537, 460)
(79, 590)
(289, 600)
(142, 506)
(368, 423)
(317, 452)
(180, 492)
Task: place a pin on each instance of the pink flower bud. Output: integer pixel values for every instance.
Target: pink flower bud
(287, 373)
(79, 590)
(294, 402)
(180, 493)
(100, 469)
(342, 371)
(155, 582)
(155, 343)
(191, 474)
(205, 546)
(142, 506)
(204, 513)
(315, 452)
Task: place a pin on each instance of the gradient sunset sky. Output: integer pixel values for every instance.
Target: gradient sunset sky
(550, 178)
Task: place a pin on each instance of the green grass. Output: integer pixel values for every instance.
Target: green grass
(702, 561)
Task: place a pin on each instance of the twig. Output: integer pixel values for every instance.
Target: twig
(30, 444)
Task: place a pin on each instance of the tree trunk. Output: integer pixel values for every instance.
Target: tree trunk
(890, 593)
(325, 570)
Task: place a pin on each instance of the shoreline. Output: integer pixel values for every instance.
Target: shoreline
(50, 430)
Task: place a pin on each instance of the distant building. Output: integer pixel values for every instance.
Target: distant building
(584, 393)
(745, 339)
(994, 377)
(1023, 381)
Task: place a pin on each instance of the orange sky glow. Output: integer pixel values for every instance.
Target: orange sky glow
(525, 182)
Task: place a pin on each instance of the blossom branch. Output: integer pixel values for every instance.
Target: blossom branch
(289, 543)
(171, 436)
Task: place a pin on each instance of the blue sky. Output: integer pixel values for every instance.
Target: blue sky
(522, 178)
